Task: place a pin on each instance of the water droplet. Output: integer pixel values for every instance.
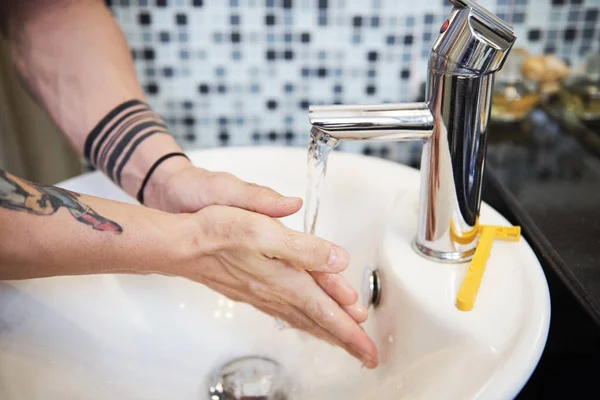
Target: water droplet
(217, 314)
(230, 304)
(228, 315)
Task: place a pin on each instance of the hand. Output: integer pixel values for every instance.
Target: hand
(252, 258)
(187, 189)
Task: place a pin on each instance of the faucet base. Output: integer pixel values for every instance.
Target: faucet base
(450, 257)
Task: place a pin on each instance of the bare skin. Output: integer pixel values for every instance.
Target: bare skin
(74, 59)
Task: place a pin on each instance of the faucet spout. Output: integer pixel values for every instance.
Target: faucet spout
(381, 122)
(471, 47)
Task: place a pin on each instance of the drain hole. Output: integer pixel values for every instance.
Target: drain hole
(248, 378)
(375, 286)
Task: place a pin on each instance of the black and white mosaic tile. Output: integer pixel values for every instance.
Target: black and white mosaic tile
(243, 72)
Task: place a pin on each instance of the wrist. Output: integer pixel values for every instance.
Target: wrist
(157, 187)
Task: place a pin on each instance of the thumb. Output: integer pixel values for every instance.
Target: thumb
(227, 189)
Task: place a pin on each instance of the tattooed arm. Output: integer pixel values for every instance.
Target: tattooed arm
(47, 231)
(73, 57)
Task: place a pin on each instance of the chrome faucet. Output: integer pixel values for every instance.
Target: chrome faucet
(472, 45)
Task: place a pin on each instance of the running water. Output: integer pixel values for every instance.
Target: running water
(318, 151)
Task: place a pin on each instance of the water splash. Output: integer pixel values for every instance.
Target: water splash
(319, 148)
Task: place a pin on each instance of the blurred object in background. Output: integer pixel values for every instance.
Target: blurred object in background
(581, 92)
(548, 71)
(514, 96)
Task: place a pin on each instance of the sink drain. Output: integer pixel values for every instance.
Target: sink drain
(248, 378)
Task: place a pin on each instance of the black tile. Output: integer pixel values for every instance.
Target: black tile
(322, 20)
(270, 3)
(321, 72)
(270, 55)
(133, 54)
(197, 3)
(221, 89)
(168, 72)
(405, 74)
(337, 88)
(534, 35)
(550, 49)
(375, 21)
(384, 152)
(272, 136)
(150, 72)
(357, 21)
(148, 54)
(558, 2)
(576, 1)
(371, 73)
(323, 4)
(272, 104)
(370, 90)
(203, 88)
(235, 37)
(391, 39)
(287, 4)
(152, 88)
(305, 72)
(289, 136)
(222, 121)
(269, 19)
(188, 105)
(367, 151)
(288, 87)
(570, 34)
(304, 104)
(256, 136)
(181, 19)
(288, 54)
(428, 18)
(518, 18)
(164, 37)
(224, 136)
(234, 19)
(588, 33)
(305, 37)
(189, 121)
(372, 56)
(591, 15)
(144, 18)
(288, 37)
(190, 137)
(161, 3)
(408, 40)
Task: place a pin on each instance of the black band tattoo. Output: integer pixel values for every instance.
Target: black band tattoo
(112, 143)
(20, 195)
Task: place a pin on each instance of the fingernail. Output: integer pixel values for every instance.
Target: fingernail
(337, 258)
(287, 201)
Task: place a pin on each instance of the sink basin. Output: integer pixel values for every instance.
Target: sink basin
(157, 337)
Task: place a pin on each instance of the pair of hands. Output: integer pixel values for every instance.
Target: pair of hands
(249, 256)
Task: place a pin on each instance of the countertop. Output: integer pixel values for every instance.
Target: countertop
(544, 174)
(550, 180)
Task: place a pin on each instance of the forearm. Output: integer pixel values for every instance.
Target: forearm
(74, 58)
(47, 231)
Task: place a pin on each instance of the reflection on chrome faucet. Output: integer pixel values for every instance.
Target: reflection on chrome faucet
(452, 124)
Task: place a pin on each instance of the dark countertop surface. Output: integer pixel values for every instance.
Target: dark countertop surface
(550, 179)
(545, 176)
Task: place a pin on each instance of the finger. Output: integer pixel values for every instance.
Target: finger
(227, 189)
(357, 311)
(303, 250)
(337, 287)
(299, 320)
(328, 314)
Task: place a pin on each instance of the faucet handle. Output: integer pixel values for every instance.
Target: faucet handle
(472, 41)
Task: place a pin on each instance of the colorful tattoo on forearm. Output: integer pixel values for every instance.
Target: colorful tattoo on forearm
(113, 141)
(21, 195)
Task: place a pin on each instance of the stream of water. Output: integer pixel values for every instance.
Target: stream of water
(319, 147)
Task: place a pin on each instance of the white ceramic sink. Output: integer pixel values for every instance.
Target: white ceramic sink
(155, 337)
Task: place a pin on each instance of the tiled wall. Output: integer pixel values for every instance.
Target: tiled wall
(243, 72)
